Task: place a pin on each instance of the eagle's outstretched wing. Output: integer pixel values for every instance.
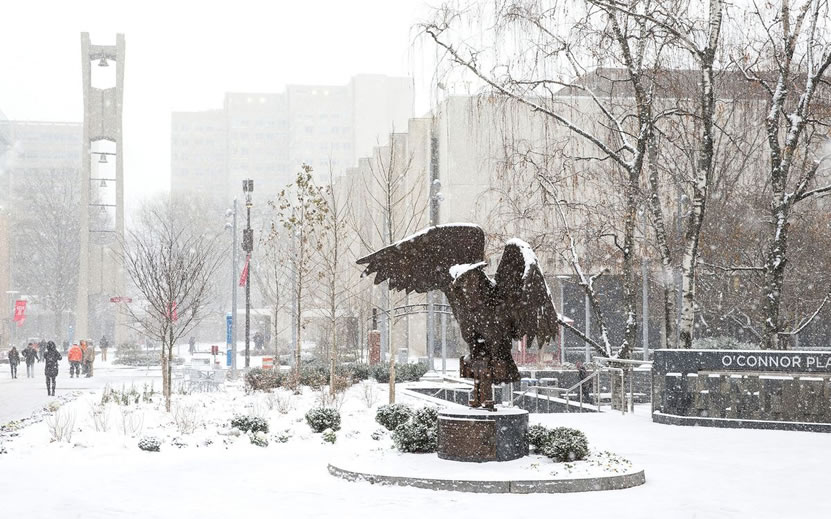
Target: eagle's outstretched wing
(524, 292)
(422, 262)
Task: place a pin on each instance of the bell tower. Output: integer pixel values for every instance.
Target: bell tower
(101, 271)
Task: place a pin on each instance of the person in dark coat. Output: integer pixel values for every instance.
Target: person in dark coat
(30, 355)
(582, 374)
(51, 357)
(14, 360)
(105, 343)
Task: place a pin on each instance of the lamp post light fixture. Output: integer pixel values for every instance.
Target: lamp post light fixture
(248, 247)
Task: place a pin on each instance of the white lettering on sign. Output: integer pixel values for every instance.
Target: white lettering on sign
(760, 361)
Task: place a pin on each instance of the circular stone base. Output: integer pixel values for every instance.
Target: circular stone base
(478, 435)
(533, 474)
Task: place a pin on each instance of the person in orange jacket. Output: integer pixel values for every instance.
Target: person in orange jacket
(75, 356)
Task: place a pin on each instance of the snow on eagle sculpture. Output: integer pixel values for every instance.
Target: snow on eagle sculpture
(491, 312)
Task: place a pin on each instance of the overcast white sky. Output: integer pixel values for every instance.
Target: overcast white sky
(184, 55)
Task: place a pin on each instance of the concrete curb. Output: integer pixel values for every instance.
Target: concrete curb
(544, 486)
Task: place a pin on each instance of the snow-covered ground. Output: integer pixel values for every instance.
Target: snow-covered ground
(690, 472)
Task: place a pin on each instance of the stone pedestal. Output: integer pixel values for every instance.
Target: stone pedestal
(477, 435)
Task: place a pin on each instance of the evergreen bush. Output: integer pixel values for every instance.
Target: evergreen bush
(420, 433)
(322, 418)
(150, 444)
(329, 436)
(252, 424)
(566, 444)
(538, 436)
(258, 379)
(393, 415)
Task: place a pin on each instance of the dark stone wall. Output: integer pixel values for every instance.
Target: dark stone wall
(729, 385)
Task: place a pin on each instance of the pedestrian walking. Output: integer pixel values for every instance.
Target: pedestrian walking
(192, 345)
(14, 360)
(105, 343)
(585, 388)
(41, 347)
(76, 357)
(51, 358)
(89, 359)
(30, 354)
(84, 365)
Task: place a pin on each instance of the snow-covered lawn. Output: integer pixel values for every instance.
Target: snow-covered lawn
(690, 472)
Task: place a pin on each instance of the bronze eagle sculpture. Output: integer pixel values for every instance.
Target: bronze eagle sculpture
(491, 312)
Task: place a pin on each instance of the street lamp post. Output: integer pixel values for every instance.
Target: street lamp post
(234, 282)
(248, 247)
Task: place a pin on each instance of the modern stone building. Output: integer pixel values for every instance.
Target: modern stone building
(267, 136)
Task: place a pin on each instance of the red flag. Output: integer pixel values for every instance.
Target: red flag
(244, 277)
(19, 311)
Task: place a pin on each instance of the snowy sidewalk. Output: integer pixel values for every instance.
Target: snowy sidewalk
(22, 396)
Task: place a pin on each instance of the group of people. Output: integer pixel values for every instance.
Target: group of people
(81, 359)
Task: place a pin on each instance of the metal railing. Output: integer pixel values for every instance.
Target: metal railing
(629, 366)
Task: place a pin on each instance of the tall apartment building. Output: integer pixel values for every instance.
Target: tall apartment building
(267, 137)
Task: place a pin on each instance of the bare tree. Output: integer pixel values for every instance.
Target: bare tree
(790, 62)
(301, 210)
(172, 267)
(46, 242)
(335, 240)
(533, 61)
(397, 207)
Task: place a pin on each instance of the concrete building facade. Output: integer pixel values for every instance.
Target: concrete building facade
(267, 136)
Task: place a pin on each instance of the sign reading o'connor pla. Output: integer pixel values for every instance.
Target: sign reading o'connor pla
(691, 361)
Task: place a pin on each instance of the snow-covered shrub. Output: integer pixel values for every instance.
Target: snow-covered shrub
(538, 435)
(258, 379)
(359, 371)
(410, 372)
(723, 342)
(329, 436)
(283, 437)
(427, 416)
(187, 418)
(100, 414)
(150, 444)
(132, 422)
(378, 434)
(251, 424)
(403, 372)
(283, 401)
(258, 438)
(61, 425)
(566, 444)
(393, 415)
(420, 434)
(369, 392)
(322, 418)
(314, 374)
(326, 399)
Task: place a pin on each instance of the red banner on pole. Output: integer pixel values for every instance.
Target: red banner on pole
(19, 311)
(171, 313)
(244, 277)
